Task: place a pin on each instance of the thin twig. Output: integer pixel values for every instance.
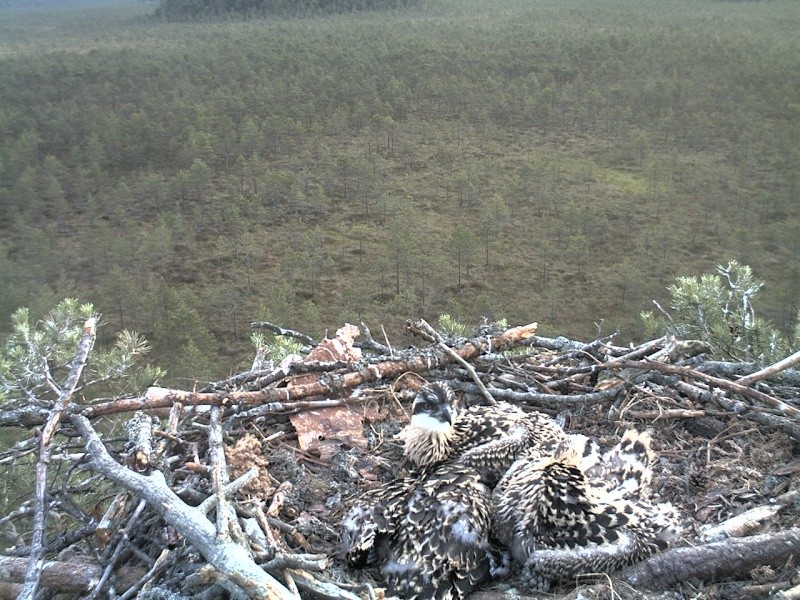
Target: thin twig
(388, 345)
(452, 353)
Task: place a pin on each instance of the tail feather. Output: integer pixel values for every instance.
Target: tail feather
(629, 466)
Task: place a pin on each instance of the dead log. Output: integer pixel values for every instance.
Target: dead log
(140, 436)
(739, 370)
(66, 576)
(716, 561)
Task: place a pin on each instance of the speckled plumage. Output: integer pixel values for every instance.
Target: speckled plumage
(487, 438)
(441, 549)
(430, 531)
(563, 510)
(559, 505)
(371, 522)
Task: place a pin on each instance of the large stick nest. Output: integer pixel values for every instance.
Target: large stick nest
(275, 456)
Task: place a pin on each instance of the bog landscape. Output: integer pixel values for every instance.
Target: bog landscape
(586, 209)
(553, 161)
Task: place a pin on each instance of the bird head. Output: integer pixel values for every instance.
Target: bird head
(434, 408)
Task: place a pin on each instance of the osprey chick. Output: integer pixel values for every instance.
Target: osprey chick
(571, 511)
(430, 531)
(488, 438)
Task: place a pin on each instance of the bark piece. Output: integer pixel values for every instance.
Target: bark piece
(323, 430)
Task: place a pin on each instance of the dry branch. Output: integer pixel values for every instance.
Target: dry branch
(712, 562)
(141, 437)
(771, 370)
(278, 330)
(228, 557)
(219, 472)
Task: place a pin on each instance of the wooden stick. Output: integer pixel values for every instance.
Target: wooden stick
(470, 369)
(669, 413)
(536, 398)
(371, 343)
(141, 436)
(278, 330)
(779, 366)
(157, 567)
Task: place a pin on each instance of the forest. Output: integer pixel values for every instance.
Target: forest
(553, 161)
(198, 10)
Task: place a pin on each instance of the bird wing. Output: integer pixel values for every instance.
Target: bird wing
(373, 520)
(441, 545)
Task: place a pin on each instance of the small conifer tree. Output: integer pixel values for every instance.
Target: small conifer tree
(36, 356)
(718, 308)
